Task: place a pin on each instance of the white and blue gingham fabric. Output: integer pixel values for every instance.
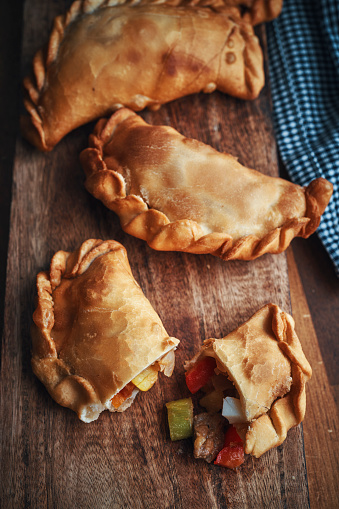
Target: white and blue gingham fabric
(303, 50)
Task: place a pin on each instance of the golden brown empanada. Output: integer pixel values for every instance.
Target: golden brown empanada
(181, 195)
(103, 55)
(264, 360)
(96, 337)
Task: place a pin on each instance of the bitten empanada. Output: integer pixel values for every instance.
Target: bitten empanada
(103, 55)
(181, 195)
(264, 360)
(96, 338)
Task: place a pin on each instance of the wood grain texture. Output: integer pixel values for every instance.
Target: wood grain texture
(321, 423)
(48, 457)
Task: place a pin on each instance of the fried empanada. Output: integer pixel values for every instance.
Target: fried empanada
(264, 360)
(103, 55)
(181, 195)
(96, 338)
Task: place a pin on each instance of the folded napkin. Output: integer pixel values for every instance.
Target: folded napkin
(303, 49)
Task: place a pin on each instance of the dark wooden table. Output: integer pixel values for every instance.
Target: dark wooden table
(28, 476)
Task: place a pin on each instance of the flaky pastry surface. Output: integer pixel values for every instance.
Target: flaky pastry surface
(94, 330)
(103, 55)
(264, 360)
(181, 195)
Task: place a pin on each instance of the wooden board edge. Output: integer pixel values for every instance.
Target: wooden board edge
(320, 424)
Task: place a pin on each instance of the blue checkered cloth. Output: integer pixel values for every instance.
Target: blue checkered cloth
(303, 50)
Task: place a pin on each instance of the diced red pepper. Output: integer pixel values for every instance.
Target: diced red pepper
(200, 374)
(125, 393)
(230, 456)
(232, 437)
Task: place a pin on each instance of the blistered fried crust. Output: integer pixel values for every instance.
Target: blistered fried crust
(181, 195)
(103, 55)
(264, 360)
(270, 430)
(94, 330)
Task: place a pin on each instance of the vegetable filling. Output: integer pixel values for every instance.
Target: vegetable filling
(144, 381)
(221, 400)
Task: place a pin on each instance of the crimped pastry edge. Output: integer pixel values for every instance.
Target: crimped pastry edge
(270, 429)
(32, 124)
(262, 11)
(66, 388)
(186, 235)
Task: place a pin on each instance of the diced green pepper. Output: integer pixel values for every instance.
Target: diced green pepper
(180, 418)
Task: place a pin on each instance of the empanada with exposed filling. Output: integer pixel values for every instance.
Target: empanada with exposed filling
(181, 195)
(264, 360)
(96, 338)
(103, 55)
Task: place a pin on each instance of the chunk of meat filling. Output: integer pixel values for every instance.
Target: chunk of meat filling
(208, 435)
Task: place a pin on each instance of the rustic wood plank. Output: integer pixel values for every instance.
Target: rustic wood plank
(321, 285)
(321, 423)
(49, 457)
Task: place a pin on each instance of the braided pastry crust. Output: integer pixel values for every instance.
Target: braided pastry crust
(181, 195)
(103, 55)
(264, 360)
(94, 330)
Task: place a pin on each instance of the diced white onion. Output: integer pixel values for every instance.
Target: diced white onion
(232, 410)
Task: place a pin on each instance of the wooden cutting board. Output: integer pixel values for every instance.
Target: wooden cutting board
(127, 460)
